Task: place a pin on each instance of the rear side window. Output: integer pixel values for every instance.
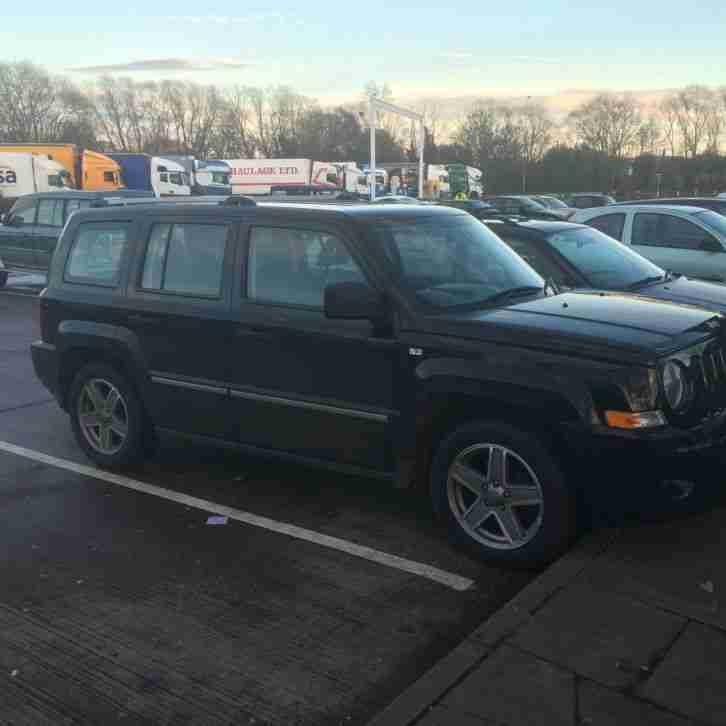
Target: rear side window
(25, 211)
(610, 224)
(185, 258)
(97, 252)
(50, 212)
(74, 204)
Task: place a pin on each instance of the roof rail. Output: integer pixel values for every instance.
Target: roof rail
(239, 201)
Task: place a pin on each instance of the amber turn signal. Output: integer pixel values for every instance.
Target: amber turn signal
(630, 420)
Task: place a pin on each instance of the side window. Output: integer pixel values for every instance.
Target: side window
(645, 230)
(610, 224)
(73, 204)
(186, 259)
(163, 176)
(96, 254)
(26, 212)
(293, 266)
(50, 212)
(531, 252)
(109, 176)
(682, 234)
(582, 202)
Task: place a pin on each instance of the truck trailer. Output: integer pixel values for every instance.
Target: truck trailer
(87, 170)
(22, 174)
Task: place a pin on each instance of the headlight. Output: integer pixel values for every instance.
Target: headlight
(675, 385)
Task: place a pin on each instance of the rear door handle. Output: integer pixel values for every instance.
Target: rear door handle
(252, 331)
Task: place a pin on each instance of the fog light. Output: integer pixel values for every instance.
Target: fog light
(630, 420)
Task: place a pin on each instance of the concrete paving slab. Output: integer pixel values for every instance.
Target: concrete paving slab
(598, 635)
(598, 706)
(512, 687)
(691, 680)
(647, 564)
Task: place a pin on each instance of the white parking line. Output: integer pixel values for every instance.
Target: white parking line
(455, 582)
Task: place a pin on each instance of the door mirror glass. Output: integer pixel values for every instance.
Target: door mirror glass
(710, 244)
(353, 301)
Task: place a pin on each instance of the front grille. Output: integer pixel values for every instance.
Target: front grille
(712, 366)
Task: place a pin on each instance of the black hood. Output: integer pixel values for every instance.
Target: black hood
(709, 295)
(604, 325)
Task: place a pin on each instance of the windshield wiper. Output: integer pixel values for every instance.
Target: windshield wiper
(650, 280)
(512, 292)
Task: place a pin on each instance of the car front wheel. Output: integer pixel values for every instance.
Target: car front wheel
(502, 495)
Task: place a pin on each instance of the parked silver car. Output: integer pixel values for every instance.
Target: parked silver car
(688, 240)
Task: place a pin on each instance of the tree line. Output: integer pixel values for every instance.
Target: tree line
(611, 143)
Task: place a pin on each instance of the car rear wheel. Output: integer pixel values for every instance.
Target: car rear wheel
(107, 417)
(502, 495)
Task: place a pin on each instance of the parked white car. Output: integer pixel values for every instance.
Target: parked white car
(688, 240)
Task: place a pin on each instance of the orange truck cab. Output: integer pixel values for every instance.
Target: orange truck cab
(86, 169)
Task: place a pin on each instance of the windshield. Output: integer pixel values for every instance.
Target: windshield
(713, 220)
(532, 204)
(603, 261)
(55, 180)
(450, 262)
(220, 177)
(553, 203)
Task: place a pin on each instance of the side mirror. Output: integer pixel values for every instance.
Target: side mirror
(353, 301)
(711, 245)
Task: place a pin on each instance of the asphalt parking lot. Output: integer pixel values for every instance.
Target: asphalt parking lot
(319, 599)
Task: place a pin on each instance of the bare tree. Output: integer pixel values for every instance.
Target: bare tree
(695, 113)
(35, 106)
(609, 123)
(668, 112)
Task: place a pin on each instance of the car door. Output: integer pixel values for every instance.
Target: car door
(678, 244)
(17, 242)
(178, 313)
(48, 226)
(301, 383)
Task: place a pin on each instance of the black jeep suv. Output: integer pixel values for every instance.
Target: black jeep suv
(408, 343)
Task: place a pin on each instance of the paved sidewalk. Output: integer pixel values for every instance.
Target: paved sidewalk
(628, 628)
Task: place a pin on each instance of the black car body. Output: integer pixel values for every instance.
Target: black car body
(476, 207)
(407, 343)
(522, 206)
(713, 203)
(573, 255)
(30, 230)
(588, 200)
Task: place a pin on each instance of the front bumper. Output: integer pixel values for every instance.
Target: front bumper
(47, 368)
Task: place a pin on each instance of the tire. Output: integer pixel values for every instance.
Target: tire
(535, 534)
(128, 418)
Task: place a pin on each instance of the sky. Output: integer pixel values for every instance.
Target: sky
(329, 50)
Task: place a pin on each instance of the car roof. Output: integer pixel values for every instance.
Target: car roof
(544, 226)
(73, 194)
(363, 212)
(676, 201)
(684, 209)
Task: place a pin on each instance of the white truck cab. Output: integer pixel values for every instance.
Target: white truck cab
(169, 178)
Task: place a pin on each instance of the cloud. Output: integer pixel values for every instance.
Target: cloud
(535, 59)
(168, 65)
(456, 55)
(230, 19)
